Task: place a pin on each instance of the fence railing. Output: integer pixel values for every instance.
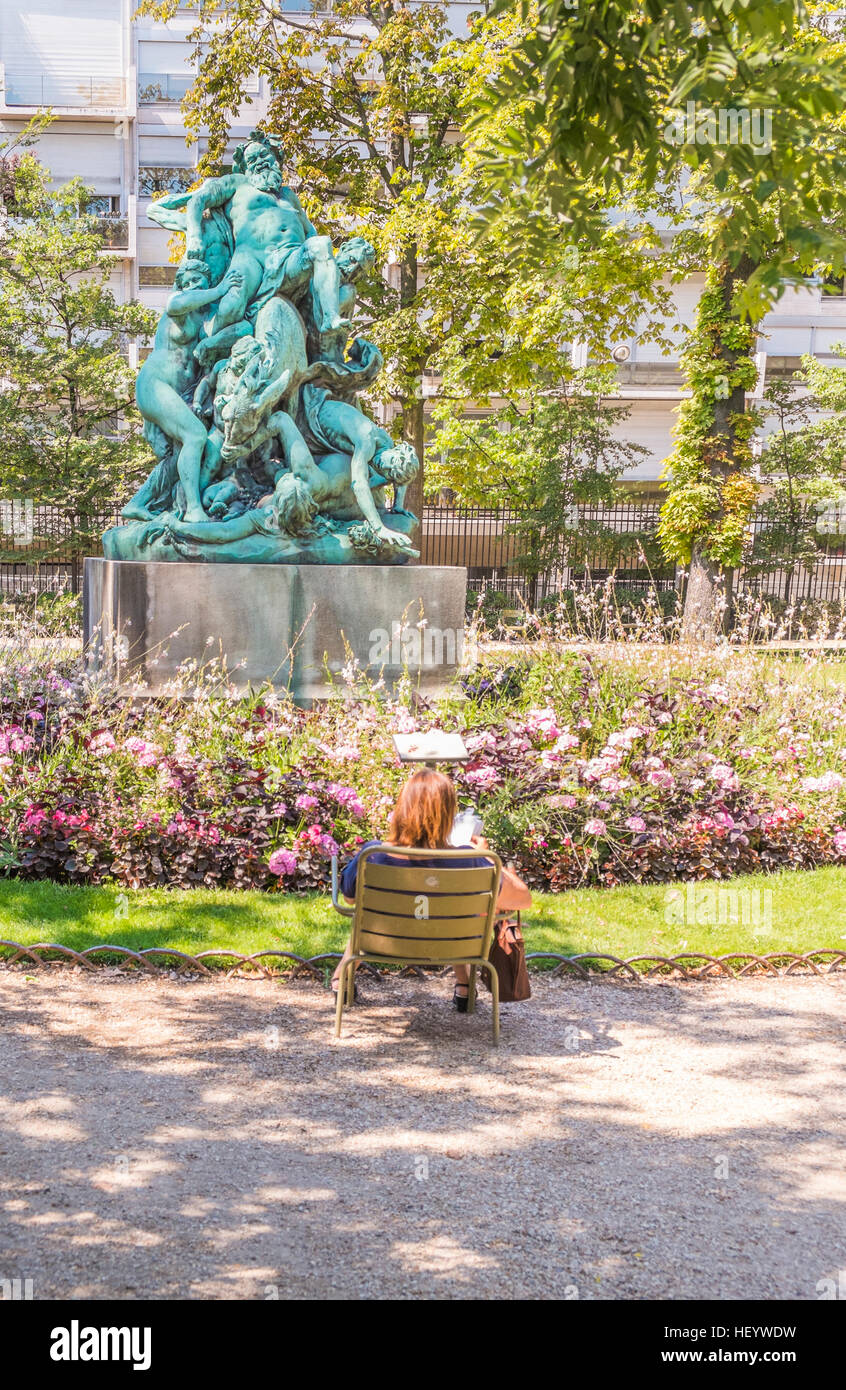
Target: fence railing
(601, 542)
(80, 91)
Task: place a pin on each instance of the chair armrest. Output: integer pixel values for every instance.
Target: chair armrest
(339, 906)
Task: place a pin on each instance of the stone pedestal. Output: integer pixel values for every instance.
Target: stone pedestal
(283, 624)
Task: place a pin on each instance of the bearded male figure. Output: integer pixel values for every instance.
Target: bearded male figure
(276, 247)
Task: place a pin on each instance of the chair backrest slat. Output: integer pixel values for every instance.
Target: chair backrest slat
(407, 948)
(401, 879)
(423, 905)
(409, 911)
(431, 929)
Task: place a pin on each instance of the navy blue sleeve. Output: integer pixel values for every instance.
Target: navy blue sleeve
(350, 873)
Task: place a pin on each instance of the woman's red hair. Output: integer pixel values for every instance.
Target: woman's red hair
(425, 811)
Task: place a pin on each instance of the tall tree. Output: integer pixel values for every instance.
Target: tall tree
(737, 107)
(71, 434)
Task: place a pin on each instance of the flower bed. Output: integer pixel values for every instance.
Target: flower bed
(586, 768)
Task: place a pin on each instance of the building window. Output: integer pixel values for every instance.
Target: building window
(158, 275)
(103, 205)
(155, 179)
(168, 87)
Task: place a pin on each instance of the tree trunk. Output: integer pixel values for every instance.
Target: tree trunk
(708, 597)
(413, 421)
(700, 602)
(413, 431)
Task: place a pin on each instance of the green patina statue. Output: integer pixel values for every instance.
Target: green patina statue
(250, 395)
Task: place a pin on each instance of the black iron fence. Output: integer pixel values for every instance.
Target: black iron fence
(788, 564)
(43, 550)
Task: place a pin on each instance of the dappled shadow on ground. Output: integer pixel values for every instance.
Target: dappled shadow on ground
(164, 1139)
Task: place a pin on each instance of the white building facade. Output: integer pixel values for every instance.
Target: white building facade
(114, 85)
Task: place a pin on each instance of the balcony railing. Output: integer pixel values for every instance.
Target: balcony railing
(156, 87)
(47, 90)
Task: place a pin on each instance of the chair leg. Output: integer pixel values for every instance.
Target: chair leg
(351, 984)
(471, 991)
(495, 1004)
(339, 1007)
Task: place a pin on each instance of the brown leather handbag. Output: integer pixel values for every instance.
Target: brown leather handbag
(508, 958)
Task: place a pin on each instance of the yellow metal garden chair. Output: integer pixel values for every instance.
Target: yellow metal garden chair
(408, 914)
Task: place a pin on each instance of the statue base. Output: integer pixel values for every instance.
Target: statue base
(282, 625)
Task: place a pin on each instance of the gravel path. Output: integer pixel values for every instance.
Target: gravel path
(172, 1139)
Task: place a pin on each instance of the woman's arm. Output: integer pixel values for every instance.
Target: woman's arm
(514, 896)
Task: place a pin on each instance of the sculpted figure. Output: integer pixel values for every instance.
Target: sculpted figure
(338, 499)
(276, 246)
(291, 510)
(167, 378)
(332, 426)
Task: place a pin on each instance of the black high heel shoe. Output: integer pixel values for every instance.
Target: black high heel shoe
(460, 1001)
(334, 987)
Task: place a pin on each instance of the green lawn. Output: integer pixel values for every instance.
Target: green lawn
(804, 910)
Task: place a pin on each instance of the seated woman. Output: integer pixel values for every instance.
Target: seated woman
(423, 819)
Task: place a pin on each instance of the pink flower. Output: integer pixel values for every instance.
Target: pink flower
(660, 778)
(782, 815)
(603, 766)
(101, 743)
(564, 743)
(636, 823)
(720, 772)
(828, 782)
(595, 826)
(483, 742)
(313, 838)
(14, 740)
(282, 862)
(305, 803)
(484, 777)
(346, 796)
(541, 723)
(145, 754)
(624, 738)
(840, 841)
(725, 776)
